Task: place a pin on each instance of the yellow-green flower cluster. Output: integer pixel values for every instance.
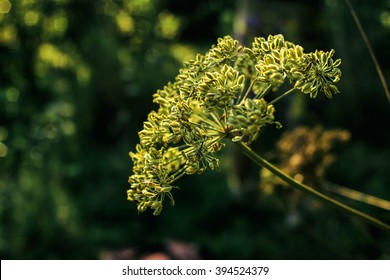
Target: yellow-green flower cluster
(319, 74)
(216, 96)
(246, 121)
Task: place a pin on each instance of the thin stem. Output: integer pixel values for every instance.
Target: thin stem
(263, 93)
(370, 50)
(281, 96)
(177, 175)
(356, 195)
(264, 163)
(241, 99)
(206, 144)
(216, 126)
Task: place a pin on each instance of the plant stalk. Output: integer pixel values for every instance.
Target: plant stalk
(370, 50)
(264, 163)
(281, 96)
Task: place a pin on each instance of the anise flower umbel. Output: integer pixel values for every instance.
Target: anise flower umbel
(227, 93)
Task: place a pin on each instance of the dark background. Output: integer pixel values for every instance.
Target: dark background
(76, 83)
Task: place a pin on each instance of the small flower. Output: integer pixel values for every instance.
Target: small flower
(152, 177)
(247, 120)
(220, 89)
(224, 52)
(320, 73)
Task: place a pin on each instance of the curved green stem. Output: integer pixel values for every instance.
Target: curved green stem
(264, 163)
(356, 195)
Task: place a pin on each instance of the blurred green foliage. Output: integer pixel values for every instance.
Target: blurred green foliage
(76, 83)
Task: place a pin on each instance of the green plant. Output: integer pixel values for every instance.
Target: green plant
(227, 94)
